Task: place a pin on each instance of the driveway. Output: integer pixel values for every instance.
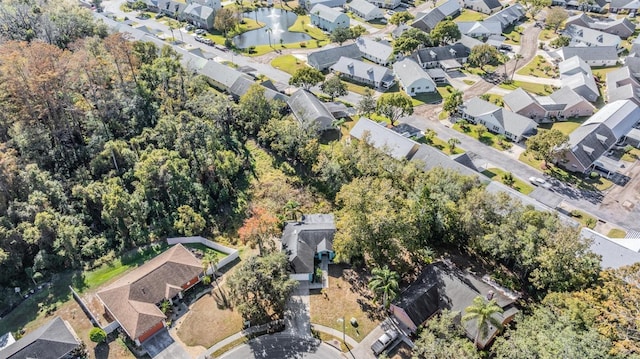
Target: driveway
(297, 319)
(282, 346)
(162, 346)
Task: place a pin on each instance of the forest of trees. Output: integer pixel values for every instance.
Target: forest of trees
(108, 145)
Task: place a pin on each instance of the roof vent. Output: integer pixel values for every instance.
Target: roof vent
(433, 54)
(350, 65)
(603, 139)
(370, 70)
(579, 33)
(599, 38)
(452, 51)
(587, 149)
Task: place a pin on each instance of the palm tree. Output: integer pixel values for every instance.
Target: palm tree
(482, 311)
(515, 65)
(452, 142)
(210, 260)
(339, 124)
(292, 209)
(384, 284)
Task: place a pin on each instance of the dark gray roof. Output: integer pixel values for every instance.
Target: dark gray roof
(53, 340)
(432, 158)
(440, 53)
(302, 240)
(382, 138)
(508, 15)
(324, 59)
(590, 141)
(625, 4)
(243, 84)
(429, 20)
(593, 53)
(613, 255)
(309, 110)
(441, 286)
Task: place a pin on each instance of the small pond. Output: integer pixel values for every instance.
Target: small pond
(276, 21)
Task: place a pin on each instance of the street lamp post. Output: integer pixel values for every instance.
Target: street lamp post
(344, 336)
(268, 30)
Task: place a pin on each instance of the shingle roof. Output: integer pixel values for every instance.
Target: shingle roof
(362, 70)
(382, 138)
(615, 26)
(378, 49)
(591, 36)
(573, 65)
(408, 71)
(432, 158)
(583, 84)
(200, 11)
(302, 240)
(634, 65)
(625, 4)
(593, 53)
(619, 117)
(323, 59)
(221, 73)
(621, 85)
(518, 99)
(508, 15)
(440, 53)
(485, 28)
(614, 255)
(429, 20)
(325, 12)
(567, 97)
(132, 299)
(510, 121)
(242, 85)
(363, 6)
(309, 110)
(53, 340)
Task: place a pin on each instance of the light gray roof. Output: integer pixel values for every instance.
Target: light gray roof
(53, 340)
(323, 59)
(302, 240)
(508, 15)
(222, 74)
(485, 28)
(432, 158)
(243, 84)
(621, 27)
(199, 11)
(518, 99)
(619, 117)
(591, 36)
(634, 65)
(327, 13)
(399, 30)
(436, 72)
(625, 4)
(567, 97)
(309, 110)
(614, 255)
(621, 85)
(429, 20)
(408, 71)
(382, 138)
(469, 41)
(378, 49)
(362, 70)
(510, 121)
(593, 53)
(364, 7)
(573, 65)
(583, 84)
(449, 8)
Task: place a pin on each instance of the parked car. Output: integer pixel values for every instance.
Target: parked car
(390, 12)
(200, 32)
(189, 27)
(537, 181)
(159, 16)
(384, 341)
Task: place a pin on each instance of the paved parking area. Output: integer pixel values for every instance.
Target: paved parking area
(162, 346)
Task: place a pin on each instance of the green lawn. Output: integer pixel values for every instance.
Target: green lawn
(419, 99)
(584, 219)
(616, 233)
(601, 72)
(355, 87)
(375, 23)
(442, 145)
(513, 37)
(591, 184)
(287, 63)
(538, 89)
(444, 90)
(468, 82)
(470, 15)
(519, 185)
(547, 34)
(249, 24)
(536, 68)
(487, 138)
(495, 99)
(565, 127)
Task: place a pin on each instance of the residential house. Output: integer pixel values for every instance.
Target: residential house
(622, 85)
(584, 36)
(201, 13)
(573, 105)
(613, 252)
(583, 84)
(365, 10)
(484, 6)
(450, 57)
(430, 158)
(437, 75)
(171, 8)
(508, 16)
(221, 76)
(412, 78)
(309, 4)
(630, 6)
(384, 139)
(480, 29)
(428, 21)
(561, 104)
(621, 27)
(633, 63)
(386, 4)
(307, 243)
(327, 18)
(633, 138)
(572, 66)
(593, 56)
(598, 134)
(379, 52)
(497, 119)
(242, 85)
(133, 299)
(310, 111)
(523, 103)
(443, 286)
(469, 41)
(366, 73)
(324, 59)
(53, 340)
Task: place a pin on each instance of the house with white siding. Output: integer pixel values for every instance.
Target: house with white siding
(412, 78)
(327, 18)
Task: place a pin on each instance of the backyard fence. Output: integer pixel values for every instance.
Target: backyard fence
(109, 328)
(232, 254)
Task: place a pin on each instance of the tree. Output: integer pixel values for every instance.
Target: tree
(547, 145)
(443, 338)
(482, 55)
(555, 17)
(367, 103)
(357, 31)
(259, 230)
(400, 17)
(306, 78)
(517, 58)
(189, 222)
(452, 142)
(482, 313)
(97, 335)
(260, 287)
(384, 285)
(560, 41)
(445, 32)
(340, 35)
(292, 209)
(410, 40)
(507, 178)
(481, 130)
(334, 87)
(255, 109)
(226, 19)
(453, 102)
(394, 106)
(534, 6)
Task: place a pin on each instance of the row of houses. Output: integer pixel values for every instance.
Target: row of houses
(576, 74)
(561, 104)
(621, 27)
(200, 13)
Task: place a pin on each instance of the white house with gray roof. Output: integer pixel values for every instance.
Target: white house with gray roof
(327, 18)
(412, 78)
(310, 111)
(480, 29)
(584, 36)
(621, 27)
(622, 85)
(384, 139)
(365, 10)
(386, 4)
(309, 4)
(379, 52)
(484, 6)
(325, 58)
(428, 21)
(497, 119)
(508, 16)
(572, 66)
(630, 5)
(583, 84)
(561, 104)
(614, 252)
(366, 73)
(593, 56)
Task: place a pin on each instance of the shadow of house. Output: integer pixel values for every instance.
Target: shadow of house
(308, 241)
(441, 286)
(56, 339)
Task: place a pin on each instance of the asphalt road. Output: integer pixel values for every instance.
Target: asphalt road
(282, 346)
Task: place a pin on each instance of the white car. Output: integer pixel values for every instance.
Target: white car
(537, 181)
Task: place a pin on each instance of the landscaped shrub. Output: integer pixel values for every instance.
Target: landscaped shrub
(97, 335)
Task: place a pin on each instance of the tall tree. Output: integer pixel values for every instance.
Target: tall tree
(533, 7)
(453, 102)
(340, 35)
(445, 32)
(334, 87)
(547, 145)
(443, 338)
(410, 40)
(306, 77)
(259, 230)
(482, 312)
(483, 55)
(555, 17)
(226, 19)
(367, 103)
(384, 284)
(400, 17)
(394, 106)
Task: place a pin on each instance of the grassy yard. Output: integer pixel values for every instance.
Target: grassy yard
(495, 99)
(287, 63)
(565, 127)
(591, 184)
(547, 34)
(468, 82)
(513, 37)
(375, 23)
(340, 300)
(519, 185)
(355, 87)
(470, 15)
(631, 156)
(536, 67)
(584, 219)
(249, 24)
(538, 89)
(487, 138)
(601, 72)
(616, 233)
(442, 145)
(419, 99)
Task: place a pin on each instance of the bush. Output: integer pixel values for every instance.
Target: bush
(97, 335)
(594, 175)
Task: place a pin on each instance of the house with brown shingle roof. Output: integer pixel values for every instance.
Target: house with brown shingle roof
(133, 300)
